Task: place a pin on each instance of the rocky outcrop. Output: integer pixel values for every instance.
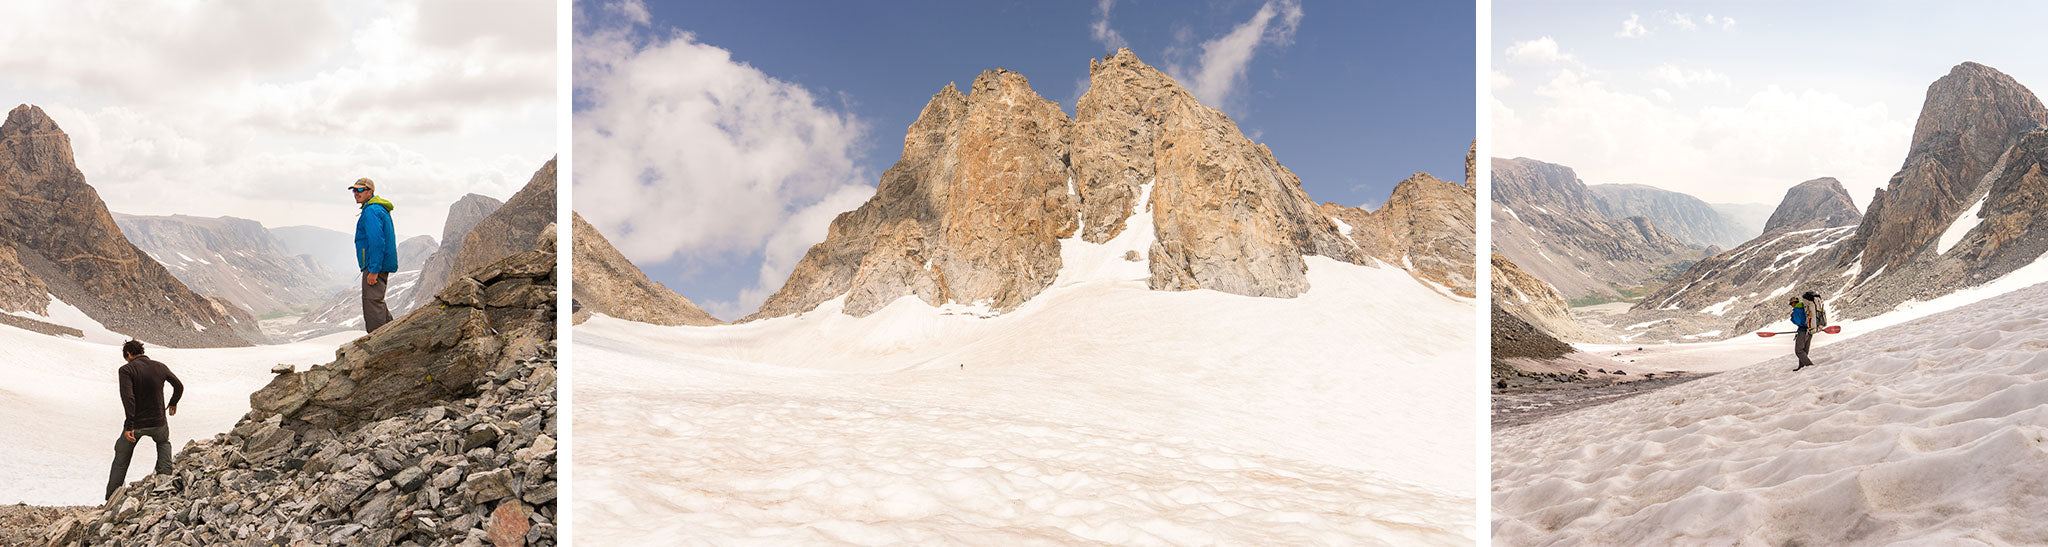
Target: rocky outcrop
(607, 283)
(1550, 226)
(1817, 203)
(1536, 303)
(991, 180)
(231, 258)
(463, 216)
(413, 252)
(20, 291)
(63, 235)
(1969, 119)
(512, 228)
(1426, 227)
(1683, 216)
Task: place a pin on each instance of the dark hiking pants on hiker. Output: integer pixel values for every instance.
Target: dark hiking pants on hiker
(124, 449)
(1800, 344)
(374, 313)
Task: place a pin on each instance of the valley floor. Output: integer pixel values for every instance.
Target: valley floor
(1098, 412)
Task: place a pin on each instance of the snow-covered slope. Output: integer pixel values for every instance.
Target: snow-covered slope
(1928, 430)
(1097, 411)
(61, 405)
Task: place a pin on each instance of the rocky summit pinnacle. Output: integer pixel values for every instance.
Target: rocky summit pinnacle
(1817, 203)
(1970, 117)
(63, 236)
(990, 181)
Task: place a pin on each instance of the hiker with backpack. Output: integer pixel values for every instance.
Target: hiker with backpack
(142, 401)
(1808, 316)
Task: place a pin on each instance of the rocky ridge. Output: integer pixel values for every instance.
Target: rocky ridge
(232, 258)
(990, 181)
(463, 215)
(1683, 216)
(62, 235)
(607, 283)
(1546, 222)
(437, 430)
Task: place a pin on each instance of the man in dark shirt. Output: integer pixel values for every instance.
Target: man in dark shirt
(142, 397)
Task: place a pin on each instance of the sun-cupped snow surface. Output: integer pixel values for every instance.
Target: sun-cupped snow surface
(60, 407)
(1929, 431)
(1099, 411)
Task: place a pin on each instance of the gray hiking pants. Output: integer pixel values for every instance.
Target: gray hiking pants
(125, 449)
(374, 313)
(1800, 344)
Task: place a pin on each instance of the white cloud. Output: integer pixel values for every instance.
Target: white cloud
(1746, 151)
(1632, 27)
(1500, 80)
(1540, 50)
(1108, 37)
(1681, 77)
(685, 153)
(264, 110)
(1223, 60)
(1684, 21)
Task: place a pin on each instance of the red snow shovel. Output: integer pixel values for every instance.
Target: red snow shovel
(1832, 329)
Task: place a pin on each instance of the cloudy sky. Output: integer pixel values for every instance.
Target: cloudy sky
(267, 110)
(716, 141)
(1734, 102)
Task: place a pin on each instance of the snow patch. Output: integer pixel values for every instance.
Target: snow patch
(1721, 308)
(1961, 226)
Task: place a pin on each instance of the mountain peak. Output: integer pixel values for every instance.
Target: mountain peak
(29, 119)
(1817, 203)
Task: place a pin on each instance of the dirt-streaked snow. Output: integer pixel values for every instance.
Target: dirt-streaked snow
(61, 403)
(1930, 430)
(1100, 411)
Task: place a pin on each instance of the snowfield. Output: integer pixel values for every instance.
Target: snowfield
(1100, 411)
(1933, 430)
(61, 403)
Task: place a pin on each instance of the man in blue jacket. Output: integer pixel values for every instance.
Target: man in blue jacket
(1803, 340)
(376, 251)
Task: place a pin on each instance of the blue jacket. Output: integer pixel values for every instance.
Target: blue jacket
(376, 245)
(1799, 318)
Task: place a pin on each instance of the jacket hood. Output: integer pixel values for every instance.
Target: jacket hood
(379, 200)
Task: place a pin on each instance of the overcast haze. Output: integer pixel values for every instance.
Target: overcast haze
(1737, 102)
(268, 110)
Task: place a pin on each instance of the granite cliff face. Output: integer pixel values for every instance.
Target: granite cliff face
(1955, 217)
(1426, 227)
(232, 258)
(1971, 116)
(1683, 216)
(991, 181)
(608, 284)
(62, 235)
(510, 229)
(1549, 225)
(1817, 203)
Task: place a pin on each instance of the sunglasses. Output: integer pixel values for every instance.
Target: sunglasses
(359, 190)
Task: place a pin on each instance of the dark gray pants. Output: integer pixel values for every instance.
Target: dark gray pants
(1800, 344)
(125, 449)
(374, 313)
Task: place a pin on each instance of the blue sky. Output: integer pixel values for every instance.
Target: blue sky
(1738, 111)
(1352, 96)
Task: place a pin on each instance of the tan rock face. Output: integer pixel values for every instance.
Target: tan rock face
(512, 228)
(1970, 117)
(1434, 220)
(20, 291)
(991, 181)
(1817, 203)
(606, 283)
(972, 213)
(463, 215)
(63, 235)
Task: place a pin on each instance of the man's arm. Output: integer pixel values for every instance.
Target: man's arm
(127, 400)
(387, 248)
(177, 390)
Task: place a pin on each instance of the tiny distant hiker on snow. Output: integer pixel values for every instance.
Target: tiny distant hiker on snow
(376, 251)
(1808, 316)
(142, 398)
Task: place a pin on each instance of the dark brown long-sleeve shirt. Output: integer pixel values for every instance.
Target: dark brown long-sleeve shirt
(142, 392)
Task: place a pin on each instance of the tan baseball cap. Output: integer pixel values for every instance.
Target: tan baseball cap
(364, 183)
